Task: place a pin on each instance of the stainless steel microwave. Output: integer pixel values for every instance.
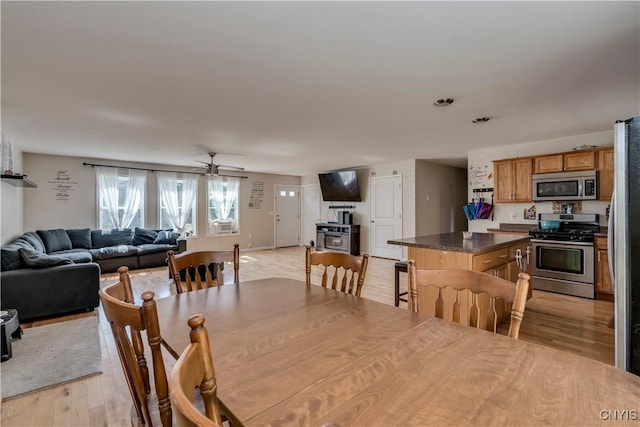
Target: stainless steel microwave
(565, 186)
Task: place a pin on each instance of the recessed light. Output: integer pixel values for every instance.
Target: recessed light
(443, 102)
(481, 120)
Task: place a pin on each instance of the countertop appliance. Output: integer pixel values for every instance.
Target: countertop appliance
(564, 257)
(624, 244)
(565, 186)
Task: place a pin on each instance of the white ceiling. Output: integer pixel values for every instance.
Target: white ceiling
(302, 87)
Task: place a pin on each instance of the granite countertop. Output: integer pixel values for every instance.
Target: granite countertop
(481, 242)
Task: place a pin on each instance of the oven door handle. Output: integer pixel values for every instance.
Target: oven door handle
(541, 242)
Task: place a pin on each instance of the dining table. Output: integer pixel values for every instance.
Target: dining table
(287, 353)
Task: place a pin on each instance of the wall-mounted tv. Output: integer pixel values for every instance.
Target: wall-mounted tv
(340, 186)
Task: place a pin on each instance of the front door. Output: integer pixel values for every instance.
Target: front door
(386, 216)
(287, 215)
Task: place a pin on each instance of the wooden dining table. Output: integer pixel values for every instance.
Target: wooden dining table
(287, 353)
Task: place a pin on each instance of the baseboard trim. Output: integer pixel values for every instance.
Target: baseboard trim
(262, 248)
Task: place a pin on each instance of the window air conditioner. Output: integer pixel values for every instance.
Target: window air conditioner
(225, 227)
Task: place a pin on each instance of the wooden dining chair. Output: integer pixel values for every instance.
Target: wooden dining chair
(198, 270)
(127, 321)
(348, 270)
(194, 370)
(456, 295)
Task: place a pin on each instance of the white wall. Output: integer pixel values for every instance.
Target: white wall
(11, 202)
(482, 159)
(43, 209)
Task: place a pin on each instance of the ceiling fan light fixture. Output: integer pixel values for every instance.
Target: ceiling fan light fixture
(481, 120)
(443, 102)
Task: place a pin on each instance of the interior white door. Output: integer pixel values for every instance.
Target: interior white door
(287, 215)
(386, 216)
(310, 212)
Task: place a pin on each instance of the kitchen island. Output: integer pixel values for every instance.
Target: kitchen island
(488, 252)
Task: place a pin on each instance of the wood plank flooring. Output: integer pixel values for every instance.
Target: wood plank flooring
(567, 323)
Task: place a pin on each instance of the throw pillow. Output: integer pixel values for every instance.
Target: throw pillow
(167, 238)
(35, 240)
(37, 259)
(80, 238)
(55, 240)
(115, 237)
(142, 236)
(11, 259)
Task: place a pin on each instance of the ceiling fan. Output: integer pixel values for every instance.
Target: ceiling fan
(212, 168)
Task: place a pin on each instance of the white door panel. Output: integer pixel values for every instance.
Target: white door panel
(287, 215)
(386, 216)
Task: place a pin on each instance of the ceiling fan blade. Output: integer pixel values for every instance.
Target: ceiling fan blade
(232, 168)
(204, 163)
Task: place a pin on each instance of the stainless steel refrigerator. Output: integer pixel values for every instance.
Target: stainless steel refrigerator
(624, 244)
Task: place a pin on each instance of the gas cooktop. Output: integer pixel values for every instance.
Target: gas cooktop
(563, 235)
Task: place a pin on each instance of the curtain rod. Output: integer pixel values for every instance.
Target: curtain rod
(157, 170)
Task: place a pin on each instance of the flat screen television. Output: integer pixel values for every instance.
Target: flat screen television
(339, 186)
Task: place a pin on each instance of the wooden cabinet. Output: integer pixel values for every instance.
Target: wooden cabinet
(548, 164)
(512, 180)
(565, 162)
(605, 177)
(579, 161)
(603, 278)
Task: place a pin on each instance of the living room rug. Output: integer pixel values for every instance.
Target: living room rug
(51, 355)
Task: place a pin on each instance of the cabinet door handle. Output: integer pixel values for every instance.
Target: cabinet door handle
(487, 261)
(503, 256)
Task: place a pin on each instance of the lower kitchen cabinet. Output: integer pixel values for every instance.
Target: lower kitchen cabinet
(603, 278)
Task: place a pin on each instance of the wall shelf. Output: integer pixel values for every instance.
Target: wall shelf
(18, 181)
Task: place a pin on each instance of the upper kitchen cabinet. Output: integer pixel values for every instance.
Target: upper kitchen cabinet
(512, 180)
(565, 162)
(605, 179)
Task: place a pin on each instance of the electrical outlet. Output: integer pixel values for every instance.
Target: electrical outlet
(428, 197)
(514, 216)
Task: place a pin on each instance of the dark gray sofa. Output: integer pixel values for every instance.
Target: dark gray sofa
(52, 272)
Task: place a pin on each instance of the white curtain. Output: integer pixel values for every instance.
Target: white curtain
(168, 187)
(108, 187)
(133, 196)
(107, 178)
(221, 202)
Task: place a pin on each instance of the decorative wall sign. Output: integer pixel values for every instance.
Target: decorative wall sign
(257, 195)
(63, 185)
(480, 175)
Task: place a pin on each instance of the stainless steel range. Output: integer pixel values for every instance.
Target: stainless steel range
(563, 258)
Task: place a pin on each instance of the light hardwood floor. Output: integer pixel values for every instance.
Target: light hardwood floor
(566, 323)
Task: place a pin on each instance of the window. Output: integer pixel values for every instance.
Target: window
(223, 205)
(177, 200)
(121, 195)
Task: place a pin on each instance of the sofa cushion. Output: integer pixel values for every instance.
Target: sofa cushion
(80, 238)
(35, 240)
(55, 240)
(143, 236)
(36, 259)
(152, 248)
(11, 258)
(115, 237)
(113, 252)
(78, 256)
(167, 238)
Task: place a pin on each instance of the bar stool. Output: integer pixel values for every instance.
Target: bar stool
(400, 266)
